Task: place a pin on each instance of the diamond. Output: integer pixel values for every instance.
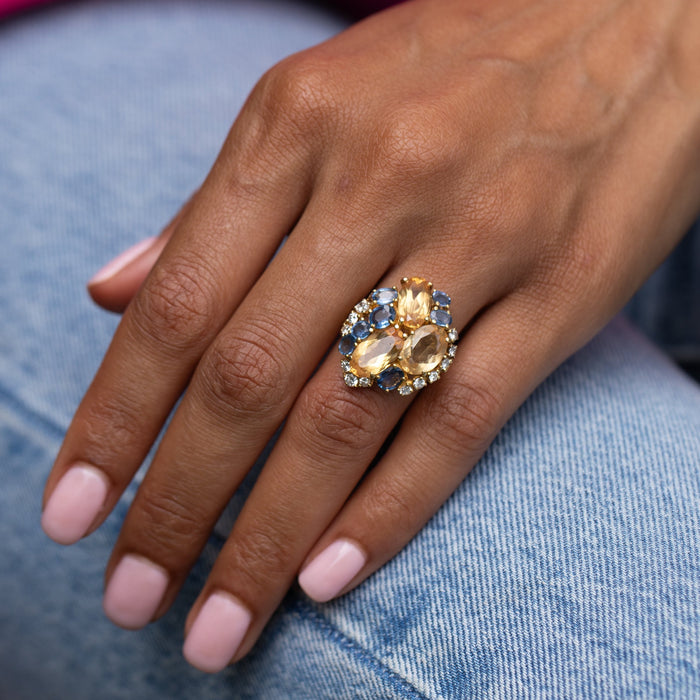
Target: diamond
(382, 316)
(365, 381)
(405, 389)
(350, 379)
(441, 299)
(346, 345)
(433, 376)
(390, 378)
(418, 383)
(345, 365)
(414, 302)
(441, 317)
(453, 336)
(423, 350)
(353, 318)
(451, 350)
(445, 363)
(376, 352)
(362, 307)
(347, 328)
(384, 296)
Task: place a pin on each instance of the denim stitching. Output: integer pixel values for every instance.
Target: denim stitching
(396, 681)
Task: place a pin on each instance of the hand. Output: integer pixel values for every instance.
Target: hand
(534, 160)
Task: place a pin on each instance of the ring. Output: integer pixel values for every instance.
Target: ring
(398, 338)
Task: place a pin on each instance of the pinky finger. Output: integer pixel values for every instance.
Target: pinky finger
(499, 363)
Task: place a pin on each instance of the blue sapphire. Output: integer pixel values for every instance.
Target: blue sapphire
(346, 344)
(440, 318)
(384, 295)
(390, 378)
(441, 299)
(382, 316)
(361, 330)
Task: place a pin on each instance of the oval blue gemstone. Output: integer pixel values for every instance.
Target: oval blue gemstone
(441, 299)
(346, 344)
(384, 295)
(361, 330)
(382, 316)
(390, 378)
(440, 318)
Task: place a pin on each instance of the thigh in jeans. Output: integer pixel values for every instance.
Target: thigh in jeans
(565, 564)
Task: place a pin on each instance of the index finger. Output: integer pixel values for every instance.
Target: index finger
(223, 242)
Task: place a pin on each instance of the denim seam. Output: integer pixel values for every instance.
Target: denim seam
(30, 415)
(353, 647)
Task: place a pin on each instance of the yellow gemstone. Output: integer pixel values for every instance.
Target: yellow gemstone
(376, 352)
(414, 302)
(423, 350)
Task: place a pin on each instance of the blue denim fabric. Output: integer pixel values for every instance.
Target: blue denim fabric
(565, 566)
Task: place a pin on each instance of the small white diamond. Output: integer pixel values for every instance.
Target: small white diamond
(353, 318)
(350, 379)
(452, 350)
(345, 365)
(362, 307)
(418, 383)
(365, 381)
(433, 376)
(405, 389)
(453, 335)
(446, 363)
(345, 329)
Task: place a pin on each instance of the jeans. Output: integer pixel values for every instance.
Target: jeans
(566, 564)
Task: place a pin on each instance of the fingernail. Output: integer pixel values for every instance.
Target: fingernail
(134, 592)
(74, 504)
(216, 633)
(122, 260)
(332, 570)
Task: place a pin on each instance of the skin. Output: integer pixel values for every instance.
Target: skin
(536, 160)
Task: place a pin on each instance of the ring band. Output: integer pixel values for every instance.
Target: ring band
(398, 338)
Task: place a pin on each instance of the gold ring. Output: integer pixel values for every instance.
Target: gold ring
(398, 338)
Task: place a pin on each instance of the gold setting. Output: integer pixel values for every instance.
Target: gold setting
(398, 338)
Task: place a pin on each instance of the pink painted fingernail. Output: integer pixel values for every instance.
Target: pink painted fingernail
(332, 570)
(74, 504)
(122, 260)
(134, 592)
(216, 633)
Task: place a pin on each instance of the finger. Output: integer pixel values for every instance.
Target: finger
(244, 386)
(249, 201)
(329, 439)
(115, 285)
(500, 360)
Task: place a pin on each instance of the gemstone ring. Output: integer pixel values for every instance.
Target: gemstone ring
(398, 338)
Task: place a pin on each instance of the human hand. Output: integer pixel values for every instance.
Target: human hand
(533, 160)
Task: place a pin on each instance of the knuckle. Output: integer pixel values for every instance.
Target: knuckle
(468, 411)
(386, 498)
(242, 373)
(177, 305)
(416, 140)
(259, 556)
(298, 91)
(166, 524)
(108, 425)
(335, 421)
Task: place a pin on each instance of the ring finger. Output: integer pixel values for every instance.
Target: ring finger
(330, 438)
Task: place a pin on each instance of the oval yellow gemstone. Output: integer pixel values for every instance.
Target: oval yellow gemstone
(423, 350)
(376, 352)
(414, 302)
